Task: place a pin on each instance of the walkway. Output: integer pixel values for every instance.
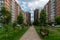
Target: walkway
(30, 35)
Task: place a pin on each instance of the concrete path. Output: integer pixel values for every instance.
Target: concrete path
(30, 34)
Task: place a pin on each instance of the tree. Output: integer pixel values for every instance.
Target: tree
(20, 19)
(43, 17)
(36, 22)
(57, 19)
(6, 15)
(8, 19)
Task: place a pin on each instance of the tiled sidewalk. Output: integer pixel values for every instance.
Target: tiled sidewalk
(30, 34)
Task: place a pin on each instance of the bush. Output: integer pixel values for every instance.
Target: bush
(14, 25)
(57, 20)
(20, 19)
(36, 22)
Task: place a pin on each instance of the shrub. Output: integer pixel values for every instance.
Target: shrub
(14, 25)
(57, 19)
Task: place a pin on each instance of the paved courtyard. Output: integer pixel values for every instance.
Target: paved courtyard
(31, 34)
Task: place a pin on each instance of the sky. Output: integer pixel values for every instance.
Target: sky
(31, 5)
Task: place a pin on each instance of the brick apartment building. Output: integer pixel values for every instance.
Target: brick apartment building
(36, 14)
(52, 9)
(12, 6)
(24, 16)
(48, 11)
(57, 7)
(28, 17)
(6, 3)
(14, 10)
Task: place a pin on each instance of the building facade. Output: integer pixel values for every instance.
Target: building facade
(48, 11)
(57, 7)
(5, 3)
(12, 6)
(28, 17)
(13, 10)
(16, 10)
(53, 9)
(24, 16)
(36, 14)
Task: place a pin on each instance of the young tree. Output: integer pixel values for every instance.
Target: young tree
(8, 19)
(6, 15)
(43, 17)
(20, 19)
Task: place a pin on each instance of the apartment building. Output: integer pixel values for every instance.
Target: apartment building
(57, 7)
(6, 3)
(19, 9)
(16, 10)
(48, 11)
(36, 14)
(28, 18)
(12, 6)
(53, 9)
(24, 16)
(13, 10)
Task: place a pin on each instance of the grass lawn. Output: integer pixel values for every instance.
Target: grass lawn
(58, 29)
(11, 34)
(52, 35)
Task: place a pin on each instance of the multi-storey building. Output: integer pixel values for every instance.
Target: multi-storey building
(48, 11)
(6, 3)
(28, 18)
(24, 16)
(12, 6)
(36, 14)
(54, 8)
(57, 2)
(19, 9)
(13, 10)
(16, 10)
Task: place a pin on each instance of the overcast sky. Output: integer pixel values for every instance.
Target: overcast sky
(30, 5)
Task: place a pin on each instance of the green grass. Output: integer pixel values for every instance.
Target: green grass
(37, 29)
(52, 35)
(58, 29)
(11, 34)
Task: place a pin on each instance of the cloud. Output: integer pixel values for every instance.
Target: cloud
(37, 4)
(31, 4)
(27, 0)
